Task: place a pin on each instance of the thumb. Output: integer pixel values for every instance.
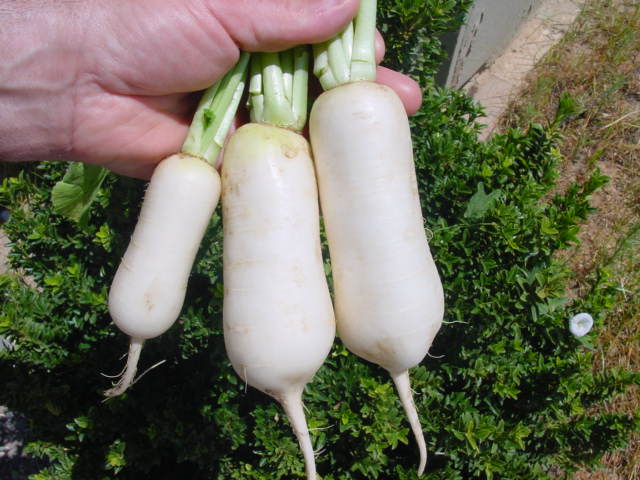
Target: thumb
(168, 46)
(272, 25)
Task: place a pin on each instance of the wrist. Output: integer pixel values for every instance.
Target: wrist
(39, 61)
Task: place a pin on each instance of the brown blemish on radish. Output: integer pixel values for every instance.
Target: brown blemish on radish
(148, 301)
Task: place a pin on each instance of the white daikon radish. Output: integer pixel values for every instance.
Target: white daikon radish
(388, 297)
(148, 290)
(278, 317)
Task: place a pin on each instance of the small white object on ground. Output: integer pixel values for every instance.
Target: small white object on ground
(581, 324)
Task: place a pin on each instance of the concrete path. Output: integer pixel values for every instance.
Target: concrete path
(500, 82)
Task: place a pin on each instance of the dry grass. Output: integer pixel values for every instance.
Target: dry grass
(598, 64)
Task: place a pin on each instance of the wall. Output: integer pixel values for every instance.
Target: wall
(490, 26)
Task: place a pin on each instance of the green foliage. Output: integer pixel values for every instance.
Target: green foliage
(73, 195)
(525, 383)
(412, 31)
(506, 392)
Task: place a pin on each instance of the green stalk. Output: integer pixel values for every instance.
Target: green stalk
(278, 88)
(338, 62)
(286, 64)
(363, 60)
(215, 114)
(277, 108)
(347, 41)
(321, 66)
(350, 56)
(256, 97)
(300, 87)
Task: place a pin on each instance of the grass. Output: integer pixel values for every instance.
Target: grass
(598, 64)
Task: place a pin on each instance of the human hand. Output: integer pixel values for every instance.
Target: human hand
(111, 83)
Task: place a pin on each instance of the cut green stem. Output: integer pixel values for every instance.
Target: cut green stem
(256, 97)
(278, 88)
(286, 63)
(347, 42)
(338, 62)
(321, 66)
(277, 107)
(215, 113)
(300, 87)
(350, 56)
(363, 59)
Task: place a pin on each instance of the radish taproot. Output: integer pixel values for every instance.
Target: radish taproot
(277, 313)
(388, 296)
(149, 286)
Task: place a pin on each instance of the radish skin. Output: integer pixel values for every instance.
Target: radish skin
(149, 287)
(278, 316)
(388, 297)
(148, 290)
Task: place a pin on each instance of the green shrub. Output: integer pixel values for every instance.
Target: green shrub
(507, 391)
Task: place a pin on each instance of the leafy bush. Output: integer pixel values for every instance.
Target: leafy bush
(506, 392)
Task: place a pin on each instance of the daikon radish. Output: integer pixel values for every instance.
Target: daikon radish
(278, 317)
(148, 289)
(388, 297)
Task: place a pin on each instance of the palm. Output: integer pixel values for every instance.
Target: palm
(128, 133)
(133, 106)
